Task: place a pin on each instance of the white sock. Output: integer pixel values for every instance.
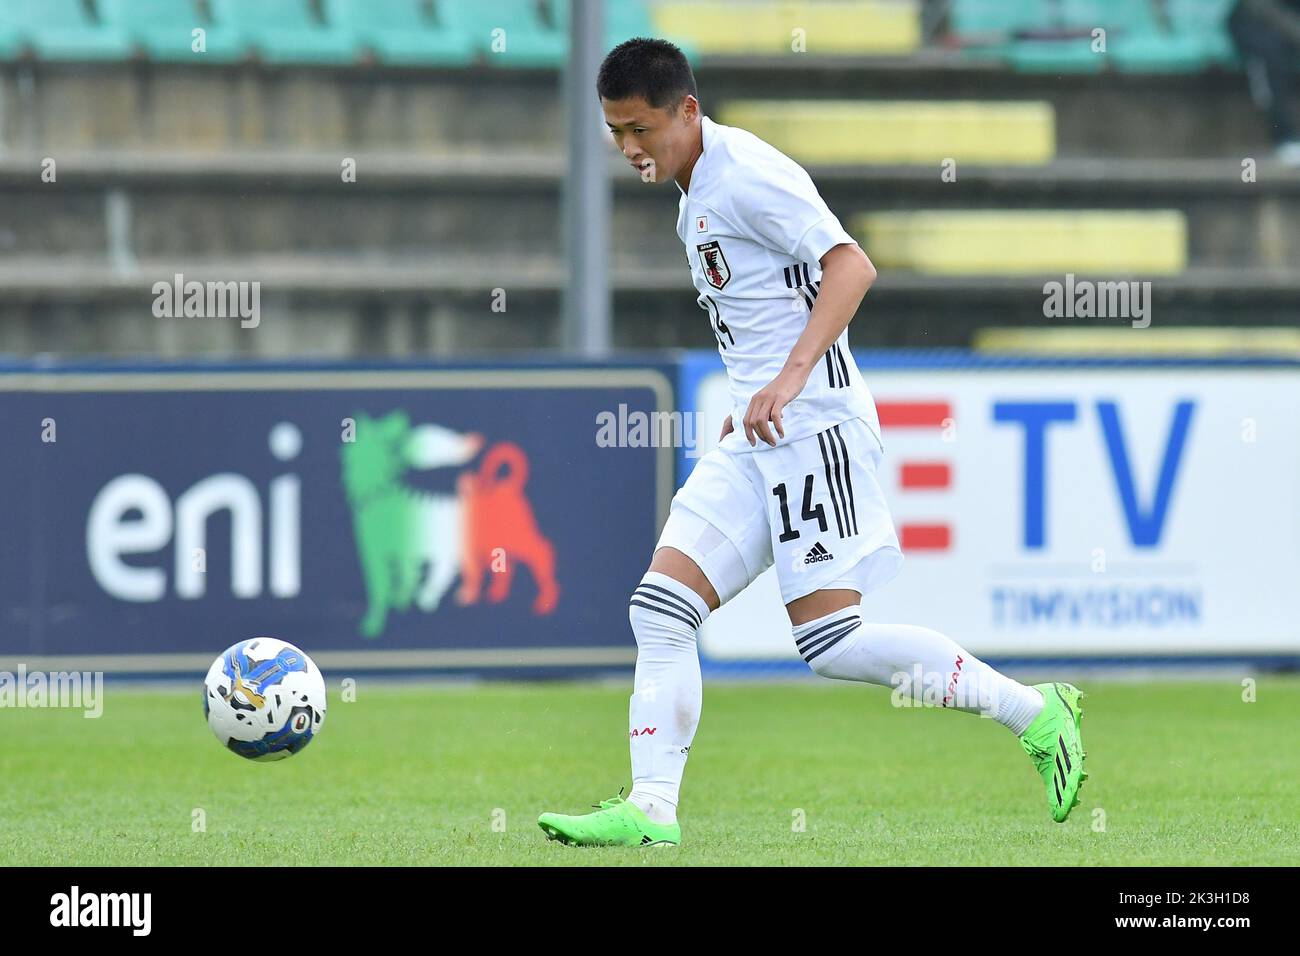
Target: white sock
(924, 667)
(665, 706)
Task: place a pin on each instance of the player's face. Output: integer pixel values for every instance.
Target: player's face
(656, 142)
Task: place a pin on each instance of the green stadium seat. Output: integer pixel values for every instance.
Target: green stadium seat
(1056, 56)
(285, 31)
(527, 40)
(11, 42)
(1192, 37)
(1139, 40)
(987, 25)
(164, 30)
(974, 17)
(62, 30)
(1208, 19)
(1159, 53)
(400, 32)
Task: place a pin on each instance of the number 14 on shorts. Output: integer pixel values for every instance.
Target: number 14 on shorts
(807, 512)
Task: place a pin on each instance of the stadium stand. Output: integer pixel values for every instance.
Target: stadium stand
(229, 164)
(1032, 35)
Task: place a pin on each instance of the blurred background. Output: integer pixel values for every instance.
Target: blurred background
(227, 164)
(1084, 338)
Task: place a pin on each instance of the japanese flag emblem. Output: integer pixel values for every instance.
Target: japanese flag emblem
(716, 271)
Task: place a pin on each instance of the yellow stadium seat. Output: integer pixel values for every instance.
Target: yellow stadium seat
(838, 131)
(1021, 242)
(839, 27)
(1236, 341)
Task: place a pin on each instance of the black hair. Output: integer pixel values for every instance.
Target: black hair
(655, 70)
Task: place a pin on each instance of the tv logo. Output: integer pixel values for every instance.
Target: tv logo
(1145, 521)
(1035, 419)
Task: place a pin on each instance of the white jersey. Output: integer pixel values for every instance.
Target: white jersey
(755, 229)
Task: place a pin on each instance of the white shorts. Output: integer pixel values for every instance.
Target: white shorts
(813, 508)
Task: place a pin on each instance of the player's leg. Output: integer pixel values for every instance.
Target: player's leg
(834, 541)
(713, 545)
(928, 668)
(699, 564)
(666, 611)
(924, 666)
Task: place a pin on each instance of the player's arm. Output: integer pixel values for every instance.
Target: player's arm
(847, 274)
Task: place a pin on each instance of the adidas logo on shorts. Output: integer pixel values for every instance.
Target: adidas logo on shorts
(818, 553)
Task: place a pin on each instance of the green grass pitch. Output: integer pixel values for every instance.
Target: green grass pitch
(1181, 774)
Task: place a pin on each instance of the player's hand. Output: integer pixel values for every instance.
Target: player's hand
(769, 402)
(728, 427)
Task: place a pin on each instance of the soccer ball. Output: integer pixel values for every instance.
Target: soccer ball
(264, 699)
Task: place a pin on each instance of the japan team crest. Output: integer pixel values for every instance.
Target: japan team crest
(716, 271)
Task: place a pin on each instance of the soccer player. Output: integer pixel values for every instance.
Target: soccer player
(792, 481)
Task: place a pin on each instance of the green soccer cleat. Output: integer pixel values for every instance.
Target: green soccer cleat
(615, 823)
(1054, 744)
